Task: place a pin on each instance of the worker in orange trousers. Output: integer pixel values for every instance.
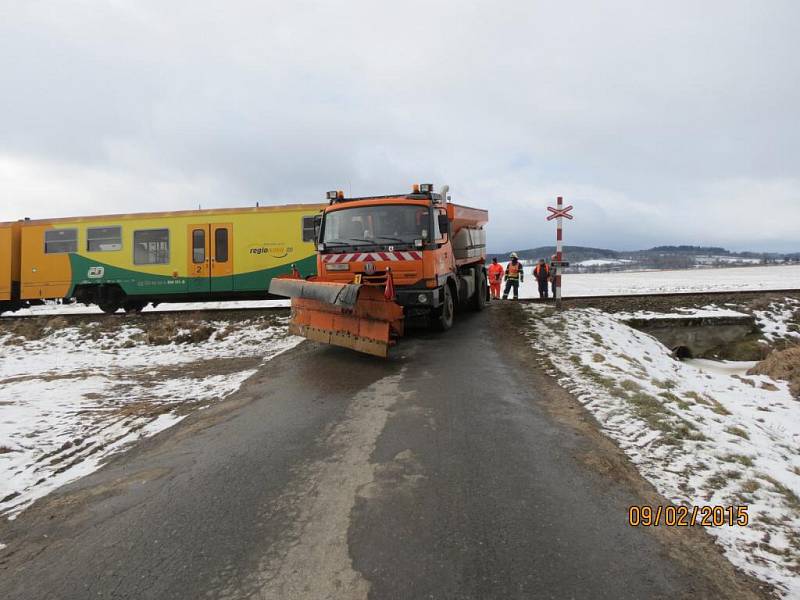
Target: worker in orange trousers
(495, 278)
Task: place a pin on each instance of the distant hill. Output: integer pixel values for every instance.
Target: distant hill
(689, 250)
(587, 259)
(575, 253)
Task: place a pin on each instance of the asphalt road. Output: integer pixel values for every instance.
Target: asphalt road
(440, 473)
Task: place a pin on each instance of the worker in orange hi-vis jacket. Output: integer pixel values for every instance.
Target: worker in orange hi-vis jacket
(495, 278)
(542, 274)
(514, 276)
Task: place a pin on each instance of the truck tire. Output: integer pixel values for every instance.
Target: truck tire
(443, 318)
(478, 300)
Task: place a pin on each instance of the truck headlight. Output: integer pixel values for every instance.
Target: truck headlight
(338, 267)
(423, 298)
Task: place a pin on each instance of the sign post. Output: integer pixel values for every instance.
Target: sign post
(559, 213)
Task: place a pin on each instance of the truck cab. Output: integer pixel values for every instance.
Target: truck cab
(432, 249)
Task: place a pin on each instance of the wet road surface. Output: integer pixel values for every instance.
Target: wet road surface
(436, 474)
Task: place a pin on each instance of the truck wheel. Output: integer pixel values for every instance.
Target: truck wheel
(443, 320)
(478, 300)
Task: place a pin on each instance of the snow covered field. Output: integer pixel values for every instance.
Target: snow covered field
(52, 309)
(579, 284)
(72, 395)
(667, 282)
(702, 433)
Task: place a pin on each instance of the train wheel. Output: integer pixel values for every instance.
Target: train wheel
(109, 306)
(134, 306)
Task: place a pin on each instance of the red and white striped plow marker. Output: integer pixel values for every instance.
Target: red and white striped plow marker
(559, 213)
(372, 257)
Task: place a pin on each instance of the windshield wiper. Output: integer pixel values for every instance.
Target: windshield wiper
(394, 239)
(337, 242)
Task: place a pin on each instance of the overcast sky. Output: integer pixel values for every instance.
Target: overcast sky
(662, 122)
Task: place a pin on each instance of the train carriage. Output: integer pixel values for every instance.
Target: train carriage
(126, 261)
(9, 266)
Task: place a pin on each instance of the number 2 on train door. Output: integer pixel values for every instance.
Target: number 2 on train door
(210, 260)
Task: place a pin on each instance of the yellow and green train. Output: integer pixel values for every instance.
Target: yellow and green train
(128, 261)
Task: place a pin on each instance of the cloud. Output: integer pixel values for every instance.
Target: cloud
(637, 113)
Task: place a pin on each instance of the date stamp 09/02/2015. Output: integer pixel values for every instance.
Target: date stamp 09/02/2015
(688, 516)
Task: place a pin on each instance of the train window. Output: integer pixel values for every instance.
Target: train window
(103, 239)
(198, 246)
(308, 229)
(58, 241)
(221, 245)
(151, 247)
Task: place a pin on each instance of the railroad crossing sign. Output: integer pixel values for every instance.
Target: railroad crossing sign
(559, 212)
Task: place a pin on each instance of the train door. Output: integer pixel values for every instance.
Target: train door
(221, 241)
(210, 258)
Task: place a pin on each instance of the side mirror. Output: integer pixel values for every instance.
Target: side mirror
(317, 226)
(444, 224)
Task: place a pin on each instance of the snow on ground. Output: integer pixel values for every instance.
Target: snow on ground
(70, 396)
(710, 260)
(721, 367)
(601, 262)
(780, 320)
(666, 282)
(701, 436)
(52, 308)
(710, 311)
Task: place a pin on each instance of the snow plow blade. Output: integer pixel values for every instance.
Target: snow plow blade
(342, 314)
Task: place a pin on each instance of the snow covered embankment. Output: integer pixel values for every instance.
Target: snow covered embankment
(701, 438)
(70, 396)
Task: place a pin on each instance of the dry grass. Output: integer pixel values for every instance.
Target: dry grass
(782, 364)
(629, 385)
(710, 401)
(750, 486)
(665, 384)
(742, 459)
(738, 431)
(22, 330)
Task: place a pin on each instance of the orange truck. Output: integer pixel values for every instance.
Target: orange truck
(384, 259)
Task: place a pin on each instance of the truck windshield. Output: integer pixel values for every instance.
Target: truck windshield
(370, 225)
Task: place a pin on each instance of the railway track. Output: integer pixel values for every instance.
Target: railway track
(568, 301)
(685, 295)
(211, 312)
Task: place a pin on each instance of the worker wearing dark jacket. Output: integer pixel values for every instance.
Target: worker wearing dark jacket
(514, 276)
(542, 274)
